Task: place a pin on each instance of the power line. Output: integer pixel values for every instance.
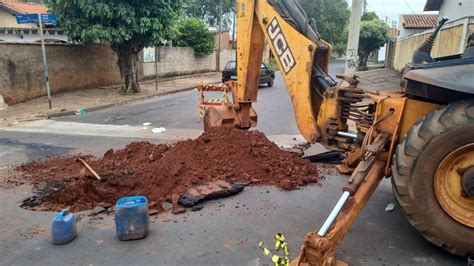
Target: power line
(383, 7)
(409, 6)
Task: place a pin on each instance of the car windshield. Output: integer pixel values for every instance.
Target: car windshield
(230, 65)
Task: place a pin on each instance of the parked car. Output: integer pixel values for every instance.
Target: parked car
(266, 75)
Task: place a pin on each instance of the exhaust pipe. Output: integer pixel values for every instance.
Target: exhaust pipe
(423, 53)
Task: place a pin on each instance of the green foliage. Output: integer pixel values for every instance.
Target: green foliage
(369, 16)
(373, 35)
(127, 25)
(208, 10)
(272, 64)
(332, 17)
(145, 22)
(193, 33)
(339, 48)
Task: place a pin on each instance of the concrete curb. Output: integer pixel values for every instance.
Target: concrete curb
(105, 106)
(151, 80)
(166, 79)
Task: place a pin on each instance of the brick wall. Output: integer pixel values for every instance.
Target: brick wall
(71, 67)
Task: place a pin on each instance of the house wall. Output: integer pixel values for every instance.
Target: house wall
(18, 36)
(71, 67)
(7, 20)
(407, 32)
(225, 40)
(451, 40)
(11, 31)
(177, 61)
(390, 53)
(456, 9)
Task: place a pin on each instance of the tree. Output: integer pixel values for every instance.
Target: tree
(193, 32)
(127, 25)
(373, 35)
(369, 16)
(332, 18)
(208, 10)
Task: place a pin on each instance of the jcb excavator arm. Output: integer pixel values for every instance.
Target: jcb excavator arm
(301, 56)
(324, 112)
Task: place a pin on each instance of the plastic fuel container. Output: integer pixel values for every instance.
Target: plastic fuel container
(63, 228)
(132, 217)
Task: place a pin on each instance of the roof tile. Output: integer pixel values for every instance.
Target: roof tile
(420, 21)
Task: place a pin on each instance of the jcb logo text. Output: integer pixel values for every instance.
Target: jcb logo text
(280, 45)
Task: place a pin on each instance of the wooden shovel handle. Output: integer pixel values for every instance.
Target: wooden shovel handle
(90, 169)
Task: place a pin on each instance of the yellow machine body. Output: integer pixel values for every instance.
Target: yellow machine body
(382, 117)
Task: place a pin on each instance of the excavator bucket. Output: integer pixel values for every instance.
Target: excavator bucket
(225, 115)
(222, 112)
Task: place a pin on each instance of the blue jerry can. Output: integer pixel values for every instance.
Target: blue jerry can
(132, 217)
(63, 228)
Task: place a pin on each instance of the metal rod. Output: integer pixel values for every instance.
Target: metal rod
(347, 134)
(218, 54)
(156, 67)
(45, 62)
(332, 216)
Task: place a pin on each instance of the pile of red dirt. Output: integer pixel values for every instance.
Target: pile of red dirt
(162, 173)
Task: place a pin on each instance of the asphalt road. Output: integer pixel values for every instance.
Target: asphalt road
(225, 232)
(180, 110)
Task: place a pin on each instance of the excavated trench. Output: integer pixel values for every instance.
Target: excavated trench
(163, 173)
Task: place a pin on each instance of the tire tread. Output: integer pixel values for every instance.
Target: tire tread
(405, 159)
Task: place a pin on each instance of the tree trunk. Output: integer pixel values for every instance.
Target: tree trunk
(363, 57)
(128, 63)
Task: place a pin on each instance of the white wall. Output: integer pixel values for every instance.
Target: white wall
(453, 10)
(178, 61)
(381, 53)
(30, 38)
(407, 32)
(7, 20)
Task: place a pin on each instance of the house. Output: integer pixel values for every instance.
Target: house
(387, 52)
(410, 24)
(452, 9)
(11, 31)
(226, 42)
(451, 39)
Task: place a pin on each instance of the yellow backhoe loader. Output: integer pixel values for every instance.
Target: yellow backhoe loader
(423, 137)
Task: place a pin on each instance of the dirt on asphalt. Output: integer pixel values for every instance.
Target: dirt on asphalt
(162, 172)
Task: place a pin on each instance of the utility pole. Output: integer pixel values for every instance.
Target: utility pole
(156, 66)
(218, 55)
(352, 56)
(45, 62)
(365, 6)
(233, 29)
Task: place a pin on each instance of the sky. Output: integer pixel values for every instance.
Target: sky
(393, 8)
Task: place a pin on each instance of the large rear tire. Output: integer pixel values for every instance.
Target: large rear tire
(418, 161)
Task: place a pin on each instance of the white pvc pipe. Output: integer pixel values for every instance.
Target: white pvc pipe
(347, 134)
(332, 216)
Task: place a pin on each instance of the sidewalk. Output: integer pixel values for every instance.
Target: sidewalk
(100, 98)
(385, 79)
